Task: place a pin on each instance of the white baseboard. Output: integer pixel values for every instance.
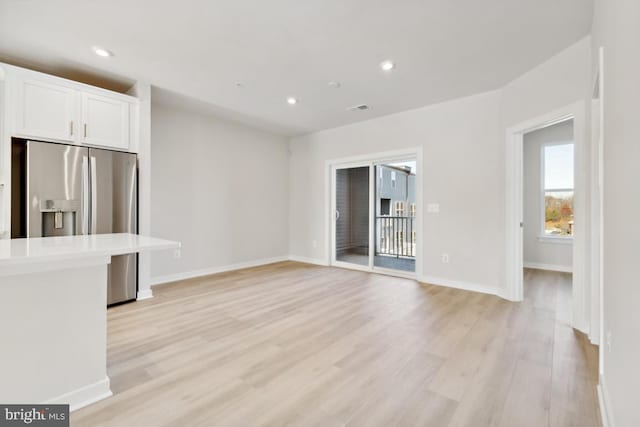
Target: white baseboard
(144, 294)
(214, 270)
(549, 267)
(605, 404)
(84, 396)
(458, 284)
(306, 260)
(438, 281)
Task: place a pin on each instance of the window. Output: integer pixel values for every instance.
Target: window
(558, 190)
(385, 206)
(413, 209)
(393, 179)
(399, 208)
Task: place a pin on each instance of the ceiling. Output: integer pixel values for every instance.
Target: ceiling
(443, 49)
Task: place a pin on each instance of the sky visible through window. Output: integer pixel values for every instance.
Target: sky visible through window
(558, 166)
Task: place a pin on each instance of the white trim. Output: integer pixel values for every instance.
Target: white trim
(514, 280)
(549, 267)
(606, 412)
(84, 396)
(597, 215)
(214, 270)
(305, 260)
(458, 284)
(436, 281)
(144, 294)
(555, 240)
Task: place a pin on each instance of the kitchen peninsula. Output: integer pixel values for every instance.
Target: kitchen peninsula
(53, 315)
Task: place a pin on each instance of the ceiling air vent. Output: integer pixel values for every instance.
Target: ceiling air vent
(360, 107)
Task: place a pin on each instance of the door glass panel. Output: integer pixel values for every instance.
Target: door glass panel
(395, 208)
(352, 215)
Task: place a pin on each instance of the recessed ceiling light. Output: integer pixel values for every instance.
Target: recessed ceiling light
(387, 65)
(334, 84)
(292, 101)
(102, 52)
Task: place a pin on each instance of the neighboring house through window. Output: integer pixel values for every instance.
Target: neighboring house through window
(399, 208)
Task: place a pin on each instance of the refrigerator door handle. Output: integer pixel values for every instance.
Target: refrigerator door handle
(85, 195)
(94, 195)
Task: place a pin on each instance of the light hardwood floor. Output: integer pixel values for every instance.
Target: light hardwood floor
(301, 345)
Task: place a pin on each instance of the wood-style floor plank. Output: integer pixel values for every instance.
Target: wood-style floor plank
(292, 344)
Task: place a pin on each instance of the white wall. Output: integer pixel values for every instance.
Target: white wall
(463, 145)
(556, 83)
(617, 28)
(554, 255)
(459, 170)
(220, 188)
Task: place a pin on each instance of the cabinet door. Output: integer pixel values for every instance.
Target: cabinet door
(45, 111)
(106, 121)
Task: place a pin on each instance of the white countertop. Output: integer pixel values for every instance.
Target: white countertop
(44, 249)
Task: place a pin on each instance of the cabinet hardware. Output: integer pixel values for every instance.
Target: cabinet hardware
(85, 130)
(71, 128)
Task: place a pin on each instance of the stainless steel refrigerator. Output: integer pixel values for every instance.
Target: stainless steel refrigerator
(60, 190)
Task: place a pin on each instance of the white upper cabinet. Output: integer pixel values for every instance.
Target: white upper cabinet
(105, 121)
(45, 110)
(50, 108)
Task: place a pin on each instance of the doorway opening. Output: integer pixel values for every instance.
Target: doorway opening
(548, 214)
(567, 212)
(375, 223)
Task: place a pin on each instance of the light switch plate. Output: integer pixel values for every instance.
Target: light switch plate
(433, 208)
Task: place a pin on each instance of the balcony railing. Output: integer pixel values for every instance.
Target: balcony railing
(396, 236)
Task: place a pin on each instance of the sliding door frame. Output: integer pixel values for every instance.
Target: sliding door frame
(372, 160)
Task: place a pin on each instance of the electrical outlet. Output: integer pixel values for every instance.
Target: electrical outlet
(177, 254)
(445, 258)
(314, 243)
(609, 341)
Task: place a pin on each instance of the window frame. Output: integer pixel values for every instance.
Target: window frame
(543, 236)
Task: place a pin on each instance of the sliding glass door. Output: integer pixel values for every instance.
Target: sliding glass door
(395, 219)
(374, 207)
(352, 215)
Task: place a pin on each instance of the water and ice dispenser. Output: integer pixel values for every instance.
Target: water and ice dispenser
(59, 217)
